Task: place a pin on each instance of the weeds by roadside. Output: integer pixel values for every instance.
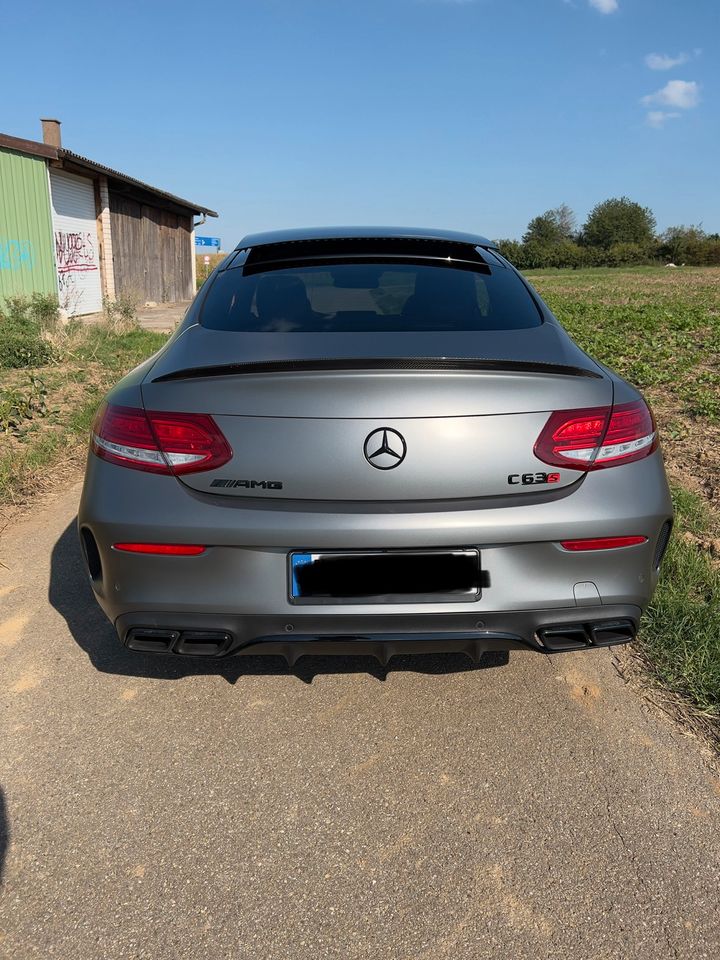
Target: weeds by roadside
(661, 330)
(53, 374)
(25, 325)
(120, 315)
(680, 634)
(21, 404)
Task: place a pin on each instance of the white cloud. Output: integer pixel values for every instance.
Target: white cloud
(604, 6)
(657, 118)
(682, 94)
(661, 61)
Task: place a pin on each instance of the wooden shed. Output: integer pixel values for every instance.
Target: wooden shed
(151, 233)
(108, 234)
(150, 249)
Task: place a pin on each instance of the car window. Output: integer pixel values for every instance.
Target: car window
(368, 297)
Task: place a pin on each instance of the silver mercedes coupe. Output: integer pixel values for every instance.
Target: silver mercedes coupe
(376, 441)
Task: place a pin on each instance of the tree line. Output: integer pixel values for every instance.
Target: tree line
(617, 233)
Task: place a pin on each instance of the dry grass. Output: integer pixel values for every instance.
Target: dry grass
(88, 360)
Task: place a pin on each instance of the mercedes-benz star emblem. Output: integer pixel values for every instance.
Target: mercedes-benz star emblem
(385, 448)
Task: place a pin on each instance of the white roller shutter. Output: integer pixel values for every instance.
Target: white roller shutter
(77, 254)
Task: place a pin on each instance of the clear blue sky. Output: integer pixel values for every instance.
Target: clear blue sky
(465, 114)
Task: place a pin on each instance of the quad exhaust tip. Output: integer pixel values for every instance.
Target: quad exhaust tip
(147, 640)
(575, 636)
(189, 643)
(553, 639)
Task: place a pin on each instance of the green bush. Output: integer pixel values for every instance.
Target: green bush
(618, 233)
(39, 312)
(566, 254)
(45, 310)
(618, 221)
(626, 255)
(533, 256)
(512, 250)
(21, 349)
(23, 323)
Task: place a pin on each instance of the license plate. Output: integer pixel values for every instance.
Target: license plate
(385, 576)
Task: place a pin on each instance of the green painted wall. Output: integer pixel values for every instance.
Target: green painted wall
(27, 264)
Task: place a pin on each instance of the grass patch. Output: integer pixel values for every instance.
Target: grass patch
(24, 325)
(661, 330)
(680, 634)
(46, 410)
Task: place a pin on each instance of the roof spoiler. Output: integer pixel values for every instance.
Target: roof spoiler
(410, 364)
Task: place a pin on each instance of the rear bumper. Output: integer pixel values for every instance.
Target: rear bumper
(239, 586)
(546, 631)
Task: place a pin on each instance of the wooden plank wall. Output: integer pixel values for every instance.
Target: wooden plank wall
(151, 251)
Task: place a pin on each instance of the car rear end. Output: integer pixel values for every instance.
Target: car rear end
(377, 445)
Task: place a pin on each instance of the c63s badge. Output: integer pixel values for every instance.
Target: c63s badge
(528, 479)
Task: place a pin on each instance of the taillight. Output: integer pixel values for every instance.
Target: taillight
(598, 437)
(157, 441)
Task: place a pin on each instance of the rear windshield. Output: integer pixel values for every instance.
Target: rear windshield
(367, 297)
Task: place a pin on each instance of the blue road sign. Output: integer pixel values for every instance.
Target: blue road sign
(213, 242)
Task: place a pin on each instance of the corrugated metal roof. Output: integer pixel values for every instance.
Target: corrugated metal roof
(81, 161)
(36, 149)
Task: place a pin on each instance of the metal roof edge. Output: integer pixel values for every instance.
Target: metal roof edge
(32, 147)
(81, 161)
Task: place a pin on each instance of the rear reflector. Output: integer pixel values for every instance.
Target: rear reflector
(597, 437)
(602, 543)
(158, 442)
(162, 549)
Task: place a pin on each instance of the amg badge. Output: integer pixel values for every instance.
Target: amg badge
(249, 484)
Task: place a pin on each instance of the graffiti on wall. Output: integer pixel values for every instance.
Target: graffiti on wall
(74, 252)
(16, 254)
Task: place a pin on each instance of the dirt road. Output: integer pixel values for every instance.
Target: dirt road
(158, 809)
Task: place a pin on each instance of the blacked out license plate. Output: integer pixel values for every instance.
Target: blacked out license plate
(385, 576)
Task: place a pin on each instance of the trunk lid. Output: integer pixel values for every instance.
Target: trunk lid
(314, 417)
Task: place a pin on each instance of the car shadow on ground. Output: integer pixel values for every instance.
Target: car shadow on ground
(71, 595)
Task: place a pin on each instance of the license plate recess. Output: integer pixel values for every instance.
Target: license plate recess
(385, 576)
